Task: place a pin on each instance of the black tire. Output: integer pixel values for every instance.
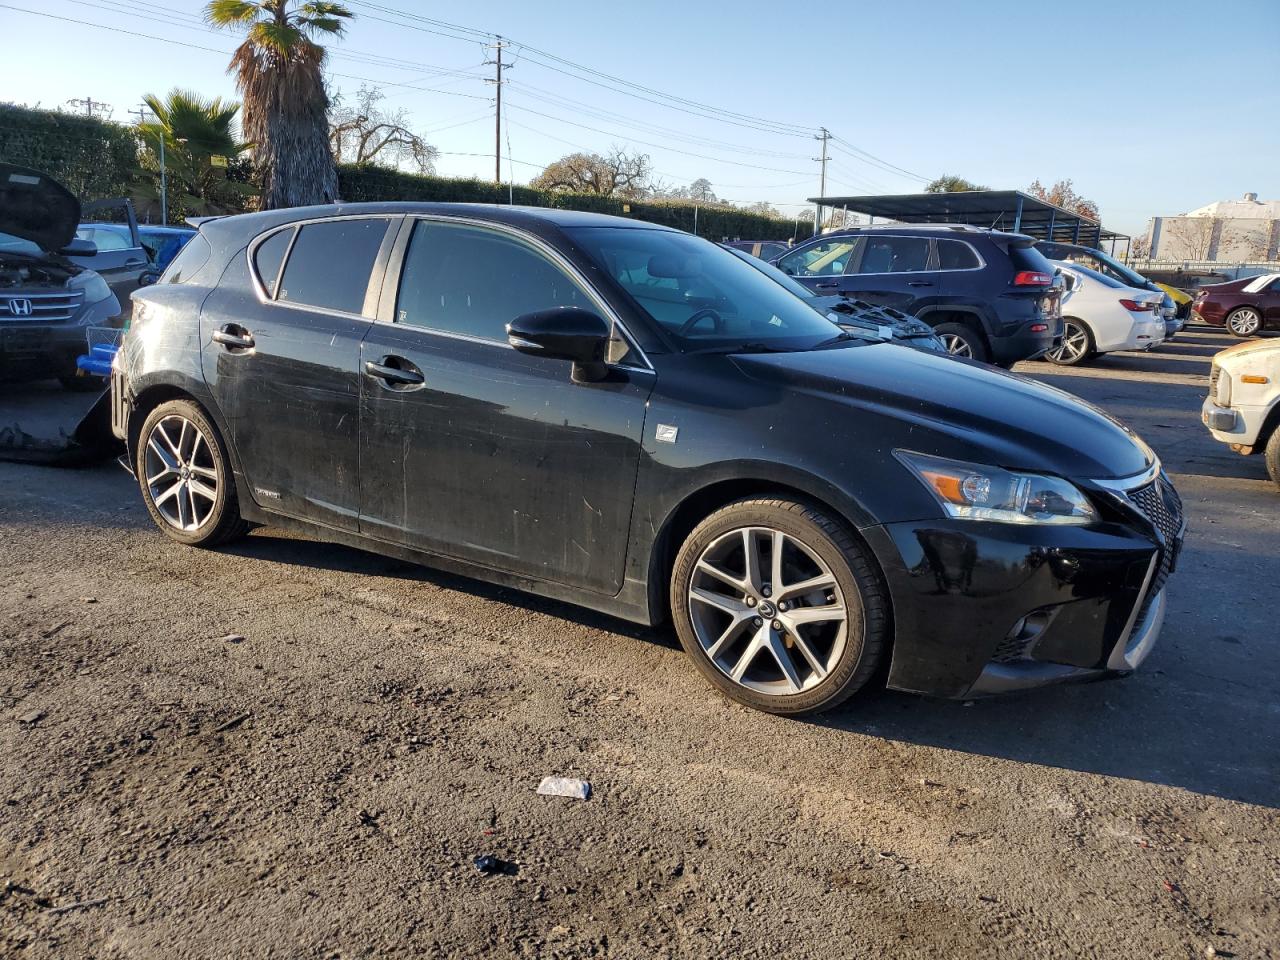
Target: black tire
(1272, 456)
(76, 384)
(1237, 316)
(850, 662)
(1061, 356)
(963, 341)
(223, 522)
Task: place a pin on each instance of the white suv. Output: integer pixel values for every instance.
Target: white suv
(1243, 406)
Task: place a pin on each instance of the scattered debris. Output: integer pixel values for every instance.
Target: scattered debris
(926, 782)
(232, 723)
(985, 898)
(31, 718)
(54, 631)
(776, 843)
(88, 599)
(368, 819)
(232, 638)
(488, 864)
(565, 787)
(81, 905)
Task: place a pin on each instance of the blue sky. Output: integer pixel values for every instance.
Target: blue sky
(1151, 108)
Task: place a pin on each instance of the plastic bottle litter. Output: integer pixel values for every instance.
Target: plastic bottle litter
(565, 787)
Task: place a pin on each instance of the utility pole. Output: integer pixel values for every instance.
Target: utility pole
(822, 181)
(92, 107)
(497, 81)
(141, 113)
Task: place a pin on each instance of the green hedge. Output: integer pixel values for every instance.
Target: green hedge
(364, 182)
(93, 158)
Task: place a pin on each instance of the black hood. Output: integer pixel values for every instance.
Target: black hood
(961, 409)
(38, 208)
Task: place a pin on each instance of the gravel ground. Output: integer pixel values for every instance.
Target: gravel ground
(288, 749)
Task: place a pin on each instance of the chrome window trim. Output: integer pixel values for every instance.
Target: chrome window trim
(296, 226)
(541, 246)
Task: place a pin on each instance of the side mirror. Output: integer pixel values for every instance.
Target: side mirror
(564, 333)
(80, 248)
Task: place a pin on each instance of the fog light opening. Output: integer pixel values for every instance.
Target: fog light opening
(1022, 637)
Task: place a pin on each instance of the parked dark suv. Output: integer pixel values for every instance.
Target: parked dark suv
(990, 295)
(634, 419)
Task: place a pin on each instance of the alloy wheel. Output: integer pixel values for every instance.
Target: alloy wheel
(1075, 344)
(1245, 323)
(957, 346)
(767, 611)
(181, 473)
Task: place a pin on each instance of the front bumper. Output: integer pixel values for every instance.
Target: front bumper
(1238, 426)
(982, 608)
(31, 350)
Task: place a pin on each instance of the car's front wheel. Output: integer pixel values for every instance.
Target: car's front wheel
(185, 476)
(1244, 322)
(779, 606)
(1272, 456)
(1076, 346)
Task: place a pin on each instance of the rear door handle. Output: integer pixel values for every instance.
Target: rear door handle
(406, 376)
(234, 338)
(829, 285)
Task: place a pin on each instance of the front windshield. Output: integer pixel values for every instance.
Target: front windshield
(1120, 271)
(11, 244)
(702, 295)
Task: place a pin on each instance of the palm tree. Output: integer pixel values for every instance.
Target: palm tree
(194, 131)
(279, 72)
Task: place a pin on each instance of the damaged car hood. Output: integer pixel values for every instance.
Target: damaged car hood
(36, 207)
(1001, 418)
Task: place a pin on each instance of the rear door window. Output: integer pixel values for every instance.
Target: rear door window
(330, 264)
(895, 255)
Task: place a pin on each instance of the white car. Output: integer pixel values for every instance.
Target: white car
(1102, 315)
(1243, 406)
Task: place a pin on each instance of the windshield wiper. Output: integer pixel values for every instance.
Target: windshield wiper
(749, 347)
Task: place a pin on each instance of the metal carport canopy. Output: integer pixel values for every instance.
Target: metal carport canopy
(1010, 210)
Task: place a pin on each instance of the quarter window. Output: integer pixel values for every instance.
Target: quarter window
(473, 281)
(330, 264)
(268, 257)
(826, 259)
(895, 255)
(956, 255)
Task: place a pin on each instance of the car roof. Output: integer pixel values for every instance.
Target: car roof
(928, 229)
(528, 217)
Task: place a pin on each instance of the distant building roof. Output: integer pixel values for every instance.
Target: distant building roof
(1247, 208)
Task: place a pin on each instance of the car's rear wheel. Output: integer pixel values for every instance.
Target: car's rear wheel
(1076, 346)
(779, 606)
(185, 476)
(1244, 322)
(961, 340)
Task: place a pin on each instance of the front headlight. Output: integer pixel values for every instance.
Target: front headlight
(94, 287)
(972, 491)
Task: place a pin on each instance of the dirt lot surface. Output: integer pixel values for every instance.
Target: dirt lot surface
(287, 749)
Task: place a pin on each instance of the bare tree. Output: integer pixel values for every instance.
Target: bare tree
(701, 191)
(618, 174)
(1063, 194)
(366, 133)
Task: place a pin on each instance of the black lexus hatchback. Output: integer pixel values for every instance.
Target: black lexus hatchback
(632, 419)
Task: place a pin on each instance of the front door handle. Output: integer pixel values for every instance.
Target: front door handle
(406, 376)
(234, 337)
(829, 285)
(919, 283)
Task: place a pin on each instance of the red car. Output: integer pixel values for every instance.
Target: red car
(1244, 307)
